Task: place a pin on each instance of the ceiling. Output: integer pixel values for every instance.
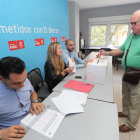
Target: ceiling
(87, 4)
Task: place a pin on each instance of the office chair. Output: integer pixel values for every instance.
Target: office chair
(80, 54)
(83, 56)
(38, 84)
(118, 59)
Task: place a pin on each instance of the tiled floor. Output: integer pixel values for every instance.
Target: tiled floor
(117, 79)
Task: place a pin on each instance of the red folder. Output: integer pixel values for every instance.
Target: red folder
(79, 86)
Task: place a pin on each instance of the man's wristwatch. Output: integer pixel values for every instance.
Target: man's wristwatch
(35, 101)
(107, 53)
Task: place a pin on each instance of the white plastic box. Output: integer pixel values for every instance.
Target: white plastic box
(96, 72)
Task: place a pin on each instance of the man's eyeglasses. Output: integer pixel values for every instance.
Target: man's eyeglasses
(134, 23)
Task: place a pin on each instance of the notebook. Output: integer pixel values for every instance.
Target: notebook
(79, 86)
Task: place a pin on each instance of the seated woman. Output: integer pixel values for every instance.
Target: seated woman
(55, 70)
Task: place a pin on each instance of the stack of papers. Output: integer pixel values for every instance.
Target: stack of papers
(80, 96)
(49, 120)
(46, 123)
(67, 104)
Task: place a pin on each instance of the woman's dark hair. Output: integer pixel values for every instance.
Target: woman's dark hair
(10, 65)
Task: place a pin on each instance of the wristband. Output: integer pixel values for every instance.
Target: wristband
(107, 53)
(35, 101)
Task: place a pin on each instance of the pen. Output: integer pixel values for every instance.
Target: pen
(98, 59)
(83, 84)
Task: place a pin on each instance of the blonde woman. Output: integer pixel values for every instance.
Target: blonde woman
(55, 70)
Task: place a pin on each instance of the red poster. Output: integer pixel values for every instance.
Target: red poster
(54, 39)
(63, 39)
(20, 44)
(42, 41)
(12, 45)
(37, 42)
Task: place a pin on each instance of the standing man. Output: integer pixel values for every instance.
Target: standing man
(69, 52)
(130, 92)
(17, 98)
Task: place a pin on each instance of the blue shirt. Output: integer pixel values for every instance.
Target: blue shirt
(11, 111)
(72, 55)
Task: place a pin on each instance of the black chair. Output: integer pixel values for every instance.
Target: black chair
(81, 55)
(38, 84)
(118, 59)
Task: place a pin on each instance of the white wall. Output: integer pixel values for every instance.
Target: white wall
(74, 24)
(103, 12)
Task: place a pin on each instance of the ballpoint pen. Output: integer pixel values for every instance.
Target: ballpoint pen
(83, 84)
(98, 59)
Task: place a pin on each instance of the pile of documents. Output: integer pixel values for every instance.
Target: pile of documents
(49, 120)
(69, 102)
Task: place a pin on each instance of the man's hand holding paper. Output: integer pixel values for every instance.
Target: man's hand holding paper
(72, 64)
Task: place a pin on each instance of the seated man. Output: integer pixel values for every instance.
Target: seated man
(68, 52)
(17, 98)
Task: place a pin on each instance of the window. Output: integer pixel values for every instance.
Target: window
(98, 35)
(105, 31)
(118, 34)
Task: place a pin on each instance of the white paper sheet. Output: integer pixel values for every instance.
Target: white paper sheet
(47, 124)
(29, 120)
(67, 104)
(80, 96)
(72, 64)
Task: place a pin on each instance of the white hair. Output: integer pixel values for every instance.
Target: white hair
(137, 11)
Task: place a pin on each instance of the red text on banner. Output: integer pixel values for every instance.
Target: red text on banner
(53, 39)
(12, 45)
(63, 39)
(20, 44)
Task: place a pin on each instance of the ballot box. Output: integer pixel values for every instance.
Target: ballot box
(96, 70)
